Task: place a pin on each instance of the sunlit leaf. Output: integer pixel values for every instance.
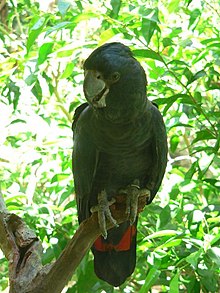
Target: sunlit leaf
(63, 6)
(68, 70)
(174, 141)
(44, 51)
(194, 18)
(162, 233)
(59, 26)
(59, 177)
(116, 5)
(149, 24)
(170, 243)
(173, 6)
(147, 54)
(35, 31)
(107, 34)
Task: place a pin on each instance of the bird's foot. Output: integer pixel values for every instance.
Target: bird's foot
(133, 192)
(104, 212)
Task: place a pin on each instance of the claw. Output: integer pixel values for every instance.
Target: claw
(133, 192)
(104, 212)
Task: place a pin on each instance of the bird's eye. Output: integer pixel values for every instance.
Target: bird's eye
(115, 76)
(98, 76)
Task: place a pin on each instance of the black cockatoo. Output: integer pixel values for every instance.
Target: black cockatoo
(120, 146)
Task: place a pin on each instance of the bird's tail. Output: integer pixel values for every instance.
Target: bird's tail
(115, 257)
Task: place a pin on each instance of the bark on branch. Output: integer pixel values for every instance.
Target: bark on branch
(24, 251)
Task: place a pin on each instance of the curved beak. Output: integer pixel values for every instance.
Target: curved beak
(95, 89)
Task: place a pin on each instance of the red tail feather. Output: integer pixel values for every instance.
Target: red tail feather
(125, 243)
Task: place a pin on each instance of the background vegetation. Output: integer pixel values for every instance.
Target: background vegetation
(41, 55)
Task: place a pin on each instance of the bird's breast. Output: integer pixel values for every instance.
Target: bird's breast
(117, 139)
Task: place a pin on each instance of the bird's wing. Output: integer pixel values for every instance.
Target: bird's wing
(159, 148)
(84, 160)
(77, 113)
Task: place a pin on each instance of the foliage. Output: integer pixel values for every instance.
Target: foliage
(177, 42)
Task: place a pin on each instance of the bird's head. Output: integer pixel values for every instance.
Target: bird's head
(114, 80)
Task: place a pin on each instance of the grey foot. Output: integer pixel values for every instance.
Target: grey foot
(104, 212)
(133, 192)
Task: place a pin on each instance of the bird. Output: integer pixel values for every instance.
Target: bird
(120, 147)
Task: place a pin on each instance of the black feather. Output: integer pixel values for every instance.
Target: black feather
(115, 145)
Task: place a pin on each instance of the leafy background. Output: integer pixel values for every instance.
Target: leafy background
(42, 48)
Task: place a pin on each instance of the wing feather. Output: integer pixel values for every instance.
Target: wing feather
(160, 149)
(84, 160)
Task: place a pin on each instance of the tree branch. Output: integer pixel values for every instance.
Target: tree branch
(24, 251)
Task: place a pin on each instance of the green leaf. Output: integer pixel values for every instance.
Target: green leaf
(188, 2)
(68, 70)
(167, 42)
(14, 94)
(174, 284)
(59, 26)
(59, 177)
(64, 53)
(186, 43)
(210, 40)
(170, 243)
(71, 204)
(44, 51)
(174, 141)
(152, 277)
(198, 74)
(171, 100)
(49, 82)
(195, 15)
(173, 6)
(37, 91)
(162, 233)
(43, 210)
(203, 135)
(214, 254)
(63, 6)
(35, 31)
(198, 97)
(65, 195)
(165, 216)
(178, 63)
(215, 239)
(18, 121)
(31, 79)
(188, 74)
(192, 170)
(107, 34)
(116, 5)
(208, 279)
(149, 24)
(193, 258)
(141, 53)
